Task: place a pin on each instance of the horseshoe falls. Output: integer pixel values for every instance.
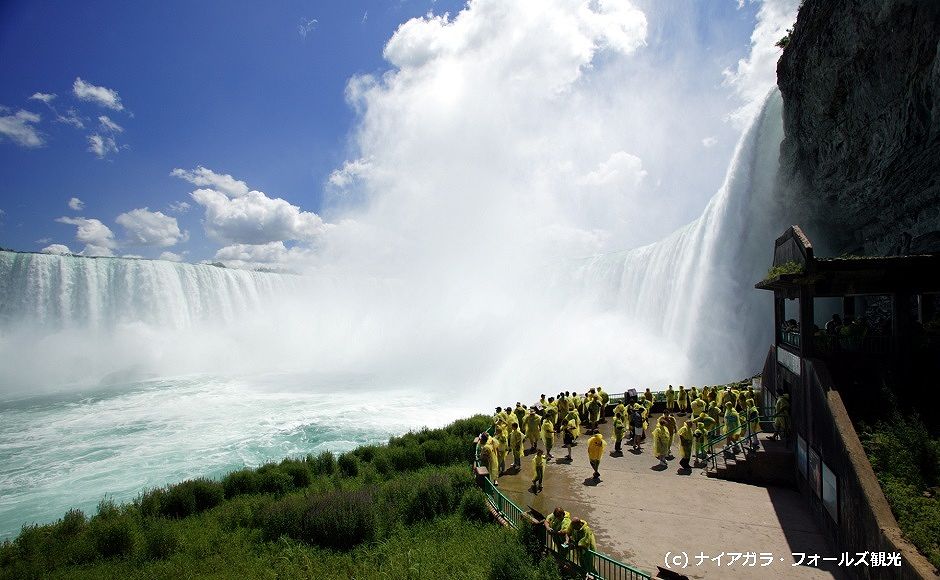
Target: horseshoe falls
(695, 288)
(117, 374)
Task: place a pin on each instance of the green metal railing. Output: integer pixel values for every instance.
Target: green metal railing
(593, 564)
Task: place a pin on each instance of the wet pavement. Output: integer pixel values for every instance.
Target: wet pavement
(640, 513)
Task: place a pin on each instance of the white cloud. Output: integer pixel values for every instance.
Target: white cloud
(40, 241)
(203, 177)
(20, 128)
(76, 204)
(46, 98)
(235, 214)
(151, 228)
(71, 118)
(350, 172)
(108, 125)
(101, 146)
(709, 142)
(133, 256)
(57, 249)
(102, 96)
(170, 257)
(306, 26)
(179, 206)
(97, 237)
(755, 75)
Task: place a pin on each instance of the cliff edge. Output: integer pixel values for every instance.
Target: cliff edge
(860, 159)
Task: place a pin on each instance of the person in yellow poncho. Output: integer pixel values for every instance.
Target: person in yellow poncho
(502, 442)
(732, 431)
(596, 446)
(556, 526)
(620, 429)
(538, 468)
(753, 421)
(488, 457)
(661, 442)
(685, 444)
(570, 434)
(683, 398)
(548, 436)
(532, 424)
(670, 398)
(581, 539)
(515, 445)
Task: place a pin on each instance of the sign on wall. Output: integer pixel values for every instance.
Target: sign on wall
(830, 492)
(801, 454)
(814, 470)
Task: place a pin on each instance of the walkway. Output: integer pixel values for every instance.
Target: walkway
(639, 514)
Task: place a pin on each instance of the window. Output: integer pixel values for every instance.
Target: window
(814, 471)
(801, 454)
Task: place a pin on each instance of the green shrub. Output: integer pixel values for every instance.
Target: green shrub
(322, 464)
(160, 539)
(284, 517)
(191, 497)
(298, 472)
(348, 464)
(510, 562)
(473, 506)
(113, 536)
(434, 496)
(410, 458)
(340, 520)
(381, 462)
(107, 508)
(241, 482)
(367, 452)
(273, 480)
(71, 524)
(150, 502)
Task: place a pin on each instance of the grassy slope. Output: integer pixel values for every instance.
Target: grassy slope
(403, 510)
(907, 462)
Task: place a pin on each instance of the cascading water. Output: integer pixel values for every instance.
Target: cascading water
(695, 287)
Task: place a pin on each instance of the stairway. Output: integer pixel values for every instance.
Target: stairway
(770, 464)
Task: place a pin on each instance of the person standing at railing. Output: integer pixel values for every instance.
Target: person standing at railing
(683, 399)
(502, 446)
(714, 411)
(753, 420)
(693, 393)
(685, 445)
(548, 436)
(670, 398)
(648, 395)
(556, 527)
(488, 457)
(596, 445)
(519, 413)
(732, 428)
(699, 441)
(581, 539)
(538, 467)
(515, 445)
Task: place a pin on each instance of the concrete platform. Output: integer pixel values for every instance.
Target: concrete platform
(640, 513)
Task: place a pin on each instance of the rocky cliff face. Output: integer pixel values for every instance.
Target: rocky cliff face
(860, 163)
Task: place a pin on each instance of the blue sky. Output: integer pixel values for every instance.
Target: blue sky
(257, 91)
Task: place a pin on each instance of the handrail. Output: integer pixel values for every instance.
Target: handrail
(594, 565)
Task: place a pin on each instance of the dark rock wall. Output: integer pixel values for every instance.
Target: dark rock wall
(860, 163)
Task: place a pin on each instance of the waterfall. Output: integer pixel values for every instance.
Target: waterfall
(685, 305)
(695, 288)
(61, 292)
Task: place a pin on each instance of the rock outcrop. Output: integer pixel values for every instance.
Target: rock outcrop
(860, 162)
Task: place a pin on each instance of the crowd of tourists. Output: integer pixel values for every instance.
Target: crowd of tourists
(730, 412)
